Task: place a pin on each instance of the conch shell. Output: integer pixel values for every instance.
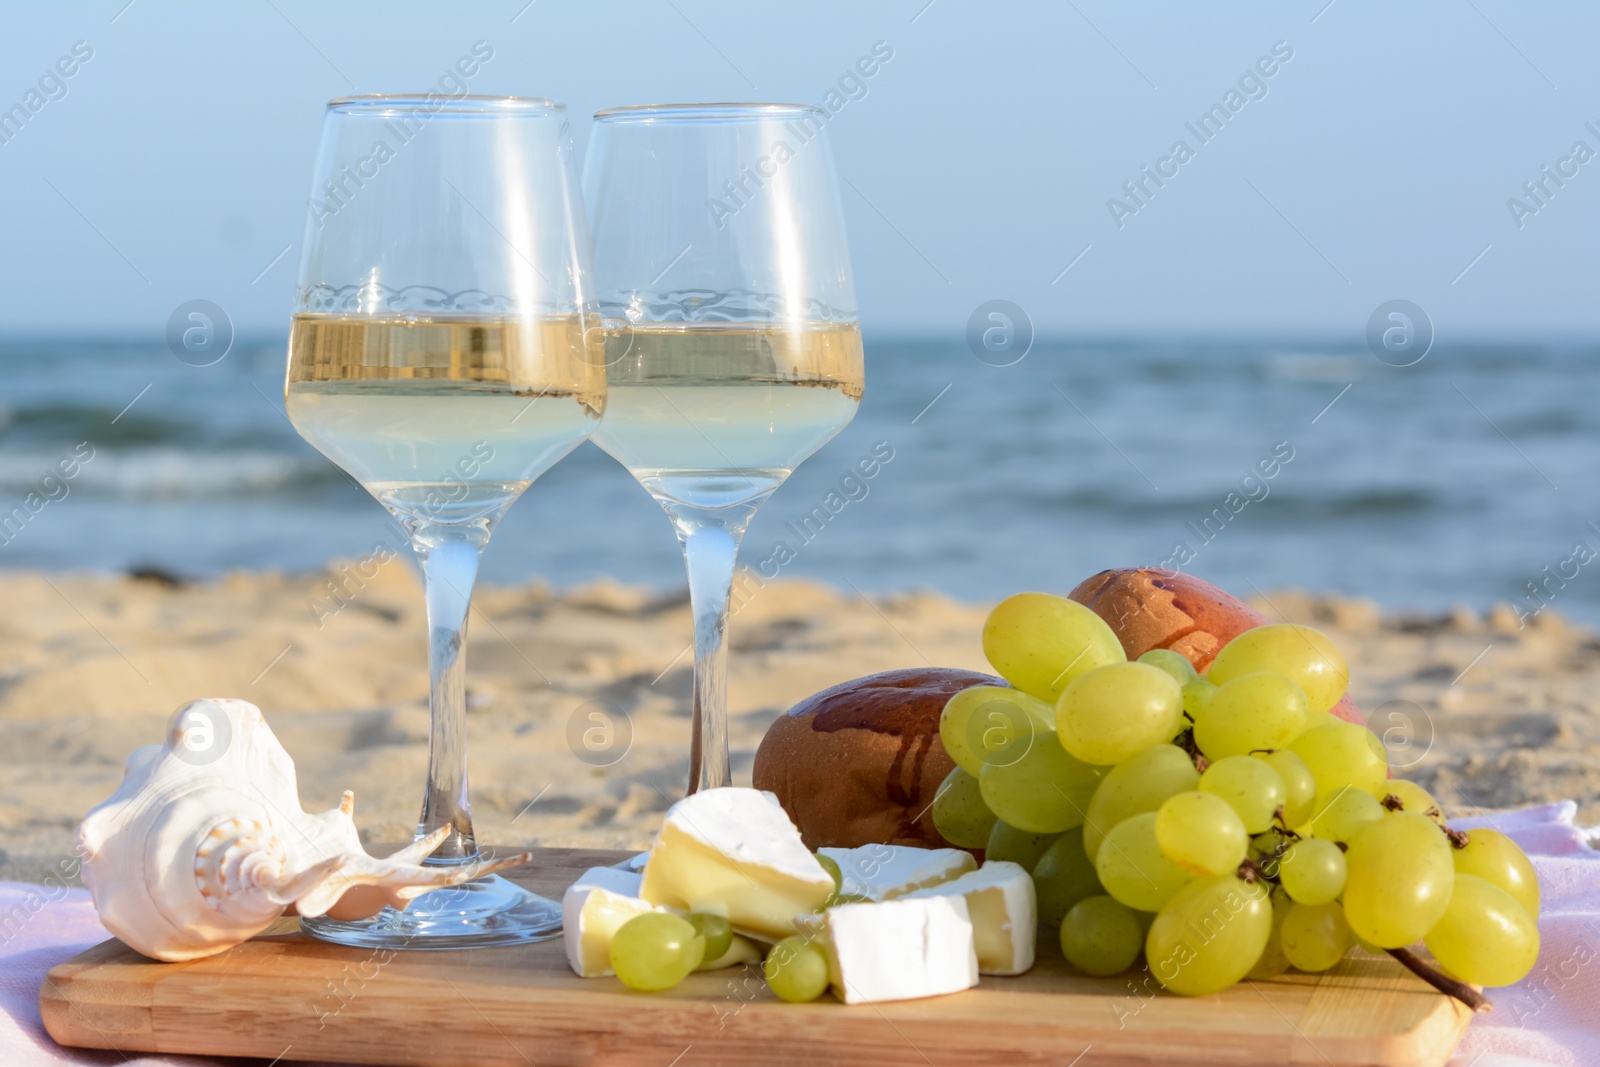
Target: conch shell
(204, 844)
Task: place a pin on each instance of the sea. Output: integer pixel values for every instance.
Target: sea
(1258, 464)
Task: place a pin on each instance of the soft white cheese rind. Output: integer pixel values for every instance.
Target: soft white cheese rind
(899, 949)
(884, 872)
(1003, 907)
(735, 852)
(612, 878)
(747, 826)
(592, 910)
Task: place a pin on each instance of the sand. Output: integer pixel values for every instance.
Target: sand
(1484, 713)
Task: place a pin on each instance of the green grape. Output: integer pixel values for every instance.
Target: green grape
(1268, 849)
(1342, 753)
(1484, 936)
(1412, 798)
(978, 722)
(1367, 946)
(1113, 712)
(828, 864)
(1017, 846)
(715, 929)
(1174, 663)
(1250, 786)
(1201, 833)
(1251, 713)
(1319, 718)
(1209, 935)
(1306, 656)
(1063, 876)
(1342, 814)
(1196, 695)
(656, 951)
(1273, 962)
(1039, 642)
(1101, 937)
(796, 970)
(1132, 869)
(1315, 936)
(1300, 788)
(1312, 871)
(1136, 785)
(1044, 790)
(1397, 880)
(959, 813)
(1495, 858)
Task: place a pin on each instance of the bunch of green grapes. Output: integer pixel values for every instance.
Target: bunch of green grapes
(1224, 825)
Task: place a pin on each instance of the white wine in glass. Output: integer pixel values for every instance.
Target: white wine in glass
(439, 416)
(719, 414)
(732, 345)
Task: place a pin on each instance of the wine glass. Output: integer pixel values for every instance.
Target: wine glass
(732, 344)
(439, 354)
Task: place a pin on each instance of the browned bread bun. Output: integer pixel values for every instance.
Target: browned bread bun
(1149, 608)
(860, 763)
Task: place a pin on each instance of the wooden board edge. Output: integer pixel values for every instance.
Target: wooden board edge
(81, 1005)
(1434, 1042)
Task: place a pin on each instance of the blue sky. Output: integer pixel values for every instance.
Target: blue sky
(1376, 162)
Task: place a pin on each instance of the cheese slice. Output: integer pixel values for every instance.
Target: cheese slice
(897, 949)
(735, 852)
(884, 872)
(592, 910)
(1004, 910)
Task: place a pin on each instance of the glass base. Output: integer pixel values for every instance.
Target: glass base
(483, 912)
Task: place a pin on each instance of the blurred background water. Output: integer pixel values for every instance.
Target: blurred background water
(1456, 480)
(1390, 153)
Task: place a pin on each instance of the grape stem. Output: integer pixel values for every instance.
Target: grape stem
(1185, 741)
(1448, 986)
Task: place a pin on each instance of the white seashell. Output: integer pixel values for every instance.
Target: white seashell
(204, 845)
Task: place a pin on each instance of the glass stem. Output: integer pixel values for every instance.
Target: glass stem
(449, 558)
(710, 538)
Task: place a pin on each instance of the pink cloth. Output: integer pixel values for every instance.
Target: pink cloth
(1551, 1018)
(41, 925)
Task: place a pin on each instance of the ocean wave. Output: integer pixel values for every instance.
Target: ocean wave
(50, 422)
(1282, 502)
(1334, 368)
(1545, 423)
(166, 473)
(1392, 501)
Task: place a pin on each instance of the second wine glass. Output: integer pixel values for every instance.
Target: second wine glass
(732, 343)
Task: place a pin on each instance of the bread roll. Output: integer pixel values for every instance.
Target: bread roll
(1150, 608)
(860, 763)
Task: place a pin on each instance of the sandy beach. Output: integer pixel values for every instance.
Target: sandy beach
(578, 699)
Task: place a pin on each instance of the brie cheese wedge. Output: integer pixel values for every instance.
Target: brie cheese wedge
(735, 852)
(1004, 910)
(884, 872)
(897, 949)
(592, 910)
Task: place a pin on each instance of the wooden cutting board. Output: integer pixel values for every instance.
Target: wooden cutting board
(285, 997)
